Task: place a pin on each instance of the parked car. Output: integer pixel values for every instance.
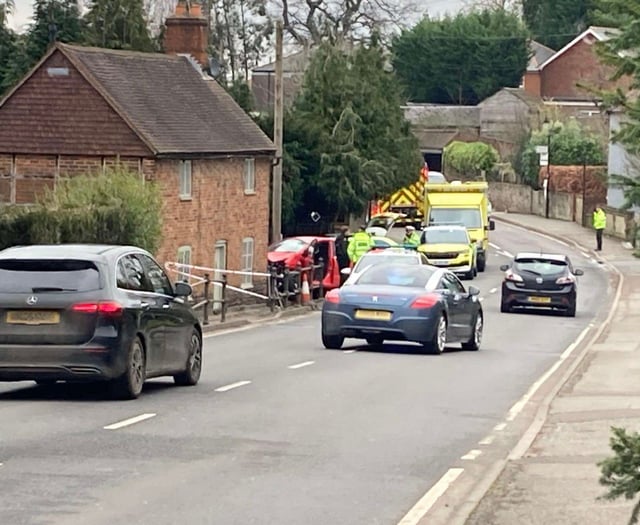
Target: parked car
(540, 280)
(381, 224)
(396, 255)
(295, 251)
(94, 313)
(403, 302)
(450, 247)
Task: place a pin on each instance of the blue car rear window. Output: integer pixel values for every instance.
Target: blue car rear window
(401, 275)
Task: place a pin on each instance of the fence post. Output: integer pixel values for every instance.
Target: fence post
(299, 283)
(223, 310)
(206, 299)
(286, 282)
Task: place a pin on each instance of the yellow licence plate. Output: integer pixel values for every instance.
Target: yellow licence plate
(32, 317)
(540, 300)
(373, 315)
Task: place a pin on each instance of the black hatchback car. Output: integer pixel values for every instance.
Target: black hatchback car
(540, 280)
(94, 313)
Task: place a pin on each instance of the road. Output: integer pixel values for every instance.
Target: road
(281, 431)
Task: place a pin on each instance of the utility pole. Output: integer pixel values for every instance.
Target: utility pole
(278, 117)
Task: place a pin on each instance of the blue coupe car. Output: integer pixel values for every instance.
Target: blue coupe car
(401, 302)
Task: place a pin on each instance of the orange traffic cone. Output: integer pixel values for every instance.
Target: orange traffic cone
(306, 293)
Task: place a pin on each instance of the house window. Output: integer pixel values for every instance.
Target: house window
(247, 261)
(249, 176)
(185, 179)
(184, 263)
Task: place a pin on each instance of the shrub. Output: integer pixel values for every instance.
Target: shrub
(571, 145)
(116, 207)
(471, 160)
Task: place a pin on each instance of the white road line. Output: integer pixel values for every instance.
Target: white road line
(517, 408)
(481, 299)
(495, 246)
(487, 441)
(500, 427)
(429, 499)
(471, 455)
(130, 421)
(226, 388)
(349, 351)
(300, 365)
(508, 254)
(493, 290)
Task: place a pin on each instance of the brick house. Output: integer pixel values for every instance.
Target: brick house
(558, 77)
(82, 109)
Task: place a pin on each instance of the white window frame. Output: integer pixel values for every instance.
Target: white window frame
(249, 176)
(246, 261)
(184, 258)
(185, 179)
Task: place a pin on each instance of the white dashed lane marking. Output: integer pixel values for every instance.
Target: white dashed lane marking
(487, 441)
(301, 365)
(130, 421)
(226, 388)
(471, 455)
(500, 427)
(493, 290)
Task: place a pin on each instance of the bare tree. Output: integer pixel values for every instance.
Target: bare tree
(308, 22)
(514, 6)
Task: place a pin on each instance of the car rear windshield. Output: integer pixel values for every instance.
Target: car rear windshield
(445, 237)
(43, 275)
(540, 266)
(370, 260)
(397, 275)
(288, 245)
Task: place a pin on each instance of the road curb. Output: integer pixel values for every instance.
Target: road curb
(556, 381)
(287, 313)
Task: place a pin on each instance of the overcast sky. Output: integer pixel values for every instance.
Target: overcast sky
(23, 11)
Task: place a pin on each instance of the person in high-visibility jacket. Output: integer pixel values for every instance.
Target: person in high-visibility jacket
(359, 244)
(411, 237)
(599, 225)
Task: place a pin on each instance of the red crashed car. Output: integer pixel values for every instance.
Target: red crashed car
(294, 251)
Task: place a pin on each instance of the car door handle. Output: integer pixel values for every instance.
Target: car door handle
(166, 306)
(145, 305)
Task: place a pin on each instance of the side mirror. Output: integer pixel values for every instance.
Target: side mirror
(492, 225)
(473, 291)
(504, 267)
(183, 289)
(578, 273)
(346, 271)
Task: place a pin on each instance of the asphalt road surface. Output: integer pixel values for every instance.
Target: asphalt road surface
(279, 430)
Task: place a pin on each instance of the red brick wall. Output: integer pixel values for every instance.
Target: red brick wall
(5, 178)
(532, 83)
(578, 64)
(63, 115)
(219, 210)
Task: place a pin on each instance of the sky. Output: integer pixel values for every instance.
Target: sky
(23, 11)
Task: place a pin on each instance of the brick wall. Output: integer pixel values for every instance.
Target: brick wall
(218, 211)
(568, 179)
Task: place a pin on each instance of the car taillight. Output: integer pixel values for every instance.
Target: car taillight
(426, 301)
(511, 276)
(569, 279)
(333, 296)
(104, 308)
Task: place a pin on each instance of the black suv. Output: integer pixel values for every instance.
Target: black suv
(540, 280)
(93, 312)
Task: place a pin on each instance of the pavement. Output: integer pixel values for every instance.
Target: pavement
(554, 480)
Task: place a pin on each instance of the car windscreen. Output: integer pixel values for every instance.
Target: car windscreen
(370, 260)
(467, 217)
(413, 276)
(445, 236)
(288, 245)
(48, 275)
(380, 222)
(540, 266)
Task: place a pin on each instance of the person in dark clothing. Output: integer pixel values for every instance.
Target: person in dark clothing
(341, 251)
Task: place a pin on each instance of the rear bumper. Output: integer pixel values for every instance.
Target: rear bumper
(89, 362)
(414, 329)
(561, 299)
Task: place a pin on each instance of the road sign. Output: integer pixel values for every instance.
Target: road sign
(542, 150)
(544, 159)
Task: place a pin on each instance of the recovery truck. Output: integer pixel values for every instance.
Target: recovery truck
(462, 203)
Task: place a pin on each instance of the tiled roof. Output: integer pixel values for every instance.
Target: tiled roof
(540, 54)
(174, 108)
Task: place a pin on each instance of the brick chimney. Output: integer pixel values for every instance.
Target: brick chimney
(186, 32)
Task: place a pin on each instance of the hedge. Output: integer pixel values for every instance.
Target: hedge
(114, 208)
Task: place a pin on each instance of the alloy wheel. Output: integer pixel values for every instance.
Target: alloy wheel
(136, 366)
(477, 334)
(195, 355)
(442, 334)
